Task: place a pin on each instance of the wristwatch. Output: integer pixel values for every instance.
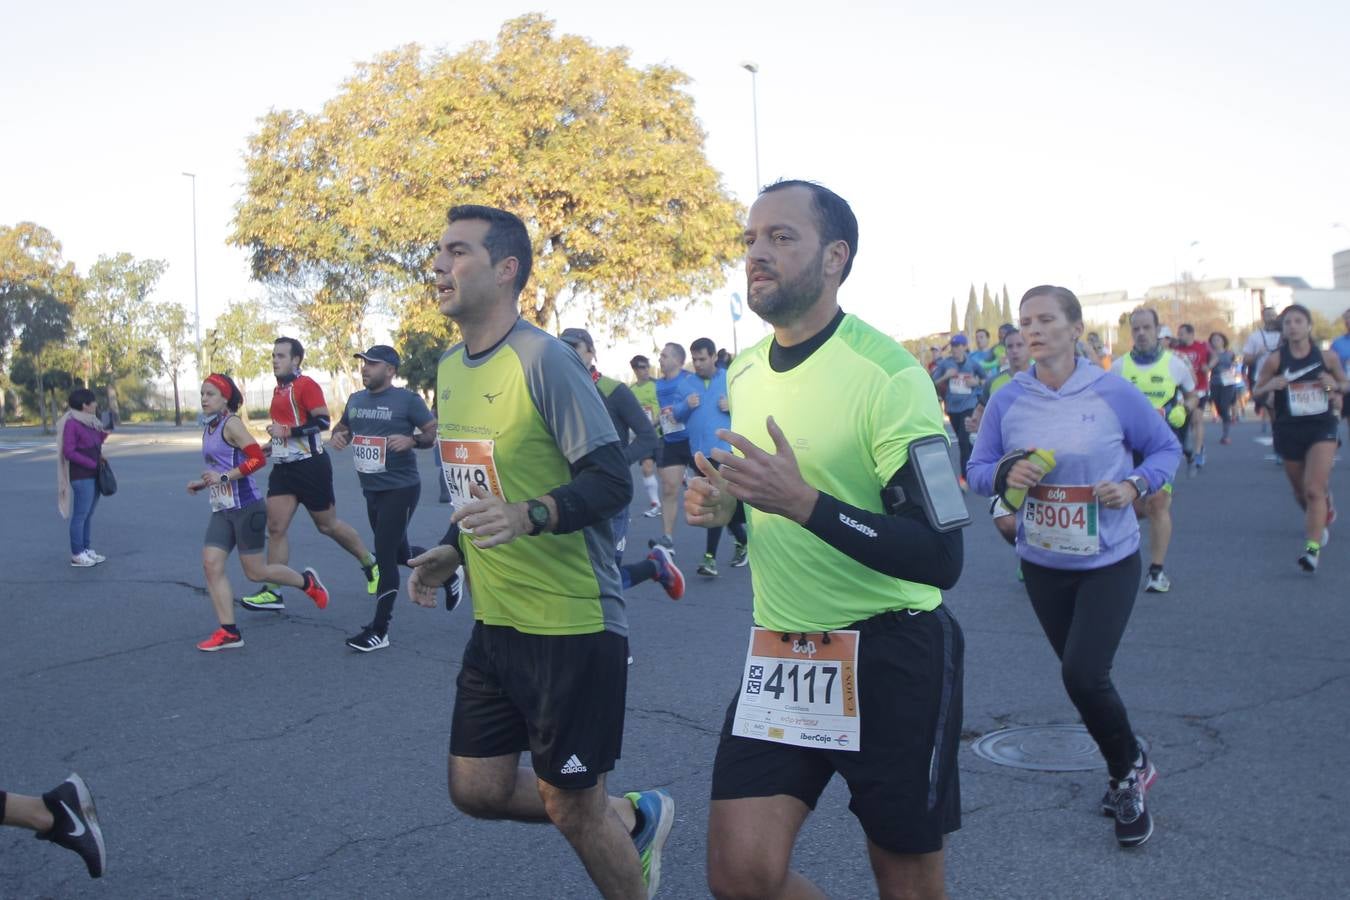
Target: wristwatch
(224, 477)
(538, 514)
(1139, 483)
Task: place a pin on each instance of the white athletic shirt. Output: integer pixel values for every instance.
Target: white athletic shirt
(1260, 345)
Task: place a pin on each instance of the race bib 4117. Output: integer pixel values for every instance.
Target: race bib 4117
(801, 691)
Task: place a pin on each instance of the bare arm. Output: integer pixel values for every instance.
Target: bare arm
(1267, 380)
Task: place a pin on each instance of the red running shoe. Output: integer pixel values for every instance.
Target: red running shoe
(315, 590)
(221, 639)
(669, 574)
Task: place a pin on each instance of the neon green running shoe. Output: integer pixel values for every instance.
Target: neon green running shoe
(657, 810)
(266, 599)
(372, 573)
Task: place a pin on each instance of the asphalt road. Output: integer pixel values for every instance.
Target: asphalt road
(298, 768)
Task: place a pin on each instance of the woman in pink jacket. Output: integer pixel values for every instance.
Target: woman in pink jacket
(79, 442)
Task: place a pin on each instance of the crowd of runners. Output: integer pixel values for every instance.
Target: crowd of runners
(844, 503)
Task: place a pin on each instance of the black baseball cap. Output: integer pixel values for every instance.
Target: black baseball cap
(576, 336)
(381, 353)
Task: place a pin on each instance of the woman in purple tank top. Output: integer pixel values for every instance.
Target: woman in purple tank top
(238, 515)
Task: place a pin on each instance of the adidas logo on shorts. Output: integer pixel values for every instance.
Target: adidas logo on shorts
(573, 766)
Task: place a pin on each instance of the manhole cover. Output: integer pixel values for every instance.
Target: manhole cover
(1045, 748)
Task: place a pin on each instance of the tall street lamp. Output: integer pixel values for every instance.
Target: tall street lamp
(1176, 279)
(753, 69)
(196, 300)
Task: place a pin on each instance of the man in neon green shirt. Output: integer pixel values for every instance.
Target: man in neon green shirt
(841, 569)
(535, 471)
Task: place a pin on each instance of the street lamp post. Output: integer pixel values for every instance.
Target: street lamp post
(753, 69)
(196, 300)
(1176, 280)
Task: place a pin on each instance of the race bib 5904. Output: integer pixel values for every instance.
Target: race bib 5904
(1061, 518)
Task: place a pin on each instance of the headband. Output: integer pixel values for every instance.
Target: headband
(223, 385)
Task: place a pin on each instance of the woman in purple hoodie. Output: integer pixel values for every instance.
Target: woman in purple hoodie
(1077, 535)
(79, 443)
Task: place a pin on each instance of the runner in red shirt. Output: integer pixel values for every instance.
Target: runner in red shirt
(1200, 356)
(301, 472)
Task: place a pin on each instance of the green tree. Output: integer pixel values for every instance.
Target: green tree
(37, 289)
(604, 162)
(421, 352)
(173, 333)
(117, 319)
(989, 312)
(239, 344)
(45, 388)
(955, 325)
(44, 322)
(972, 318)
(1007, 314)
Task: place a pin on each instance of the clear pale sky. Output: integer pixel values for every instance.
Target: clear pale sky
(1054, 142)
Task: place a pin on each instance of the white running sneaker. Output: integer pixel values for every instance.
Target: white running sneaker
(1158, 584)
(653, 512)
(95, 555)
(82, 560)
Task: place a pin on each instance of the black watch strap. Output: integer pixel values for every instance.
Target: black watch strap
(538, 514)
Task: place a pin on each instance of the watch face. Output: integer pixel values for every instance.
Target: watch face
(539, 514)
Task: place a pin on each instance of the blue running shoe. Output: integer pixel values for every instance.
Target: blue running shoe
(657, 810)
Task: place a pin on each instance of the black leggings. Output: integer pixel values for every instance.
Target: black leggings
(389, 513)
(1224, 396)
(1084, 613)
(958, 420)
(736, 526)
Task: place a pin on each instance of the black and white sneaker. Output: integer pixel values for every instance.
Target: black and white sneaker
(454, 590)
(1144, 771)
(75, 823)
(368, 641)
(1134, 825)
(1308, 561)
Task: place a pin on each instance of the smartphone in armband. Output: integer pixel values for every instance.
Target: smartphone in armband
(928, 481)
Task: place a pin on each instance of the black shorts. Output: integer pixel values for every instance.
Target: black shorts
(308, 480)
(244, 528)
(905, 787)
(1202, 401)
(561, 697)
(1293, 438)
(675, 453)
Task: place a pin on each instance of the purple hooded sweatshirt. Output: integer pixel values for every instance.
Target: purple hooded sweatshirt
(1097, 424)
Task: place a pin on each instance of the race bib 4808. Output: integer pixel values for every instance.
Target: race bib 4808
(369, 452)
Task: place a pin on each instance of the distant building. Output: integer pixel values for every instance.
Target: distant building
(1102, 312)
(1241, 299)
